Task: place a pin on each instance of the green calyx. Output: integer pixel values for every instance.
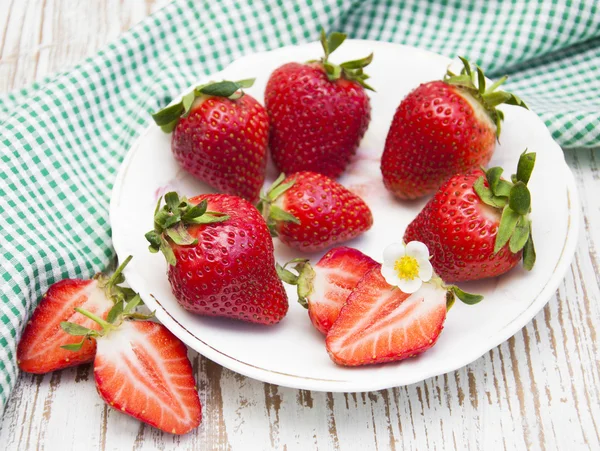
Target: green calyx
(350, 70)
(122, 310)
(514, 199)
(168, 117)
(272, 213)
(303, 280)
(473, 81)
(111, 285)
(453, 292)
(171, 221)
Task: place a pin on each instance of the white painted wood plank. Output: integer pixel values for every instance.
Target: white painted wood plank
(539, 390)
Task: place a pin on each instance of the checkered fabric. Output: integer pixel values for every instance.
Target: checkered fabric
(62, 140)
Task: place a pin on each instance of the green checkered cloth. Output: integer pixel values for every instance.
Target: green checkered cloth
(64, 138)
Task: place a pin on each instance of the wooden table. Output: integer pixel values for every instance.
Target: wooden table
(538, 390)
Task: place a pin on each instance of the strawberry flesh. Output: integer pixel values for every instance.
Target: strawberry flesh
(379, 323)
(316, 124)
(39, 350)
(143, 370)
(336, 275)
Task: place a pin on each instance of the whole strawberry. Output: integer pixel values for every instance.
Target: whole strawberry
(220, 256)
(477, 225)
(319, 112)
(310, 212)
(440, 129)
(220, 136)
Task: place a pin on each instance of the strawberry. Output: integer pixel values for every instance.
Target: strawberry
(220, 136)
(440, 129)
(220, 264)
(380, 323)
(142, 370)
(318, 111)
(477, 225)
(39, 350)
(324, 288)
(310, 212)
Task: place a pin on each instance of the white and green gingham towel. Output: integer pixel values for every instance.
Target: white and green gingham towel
(62, 141)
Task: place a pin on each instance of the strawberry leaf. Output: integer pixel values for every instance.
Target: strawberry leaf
(334, 40)
(115, 312)
(520, 236)
(529, 252)
(467, 298)
(278, 214)
(493, 177)
(76, 329)
(519, 198)
(180, 236)
(74, 346)
(508, 222)
(486, 195)
(525, 166)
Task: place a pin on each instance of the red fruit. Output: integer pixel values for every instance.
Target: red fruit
(440, 129)
(142, 370)
(220, 264)
(324, 288)
(319, 113)
(39, 350)
(477, 225)
(311, 212)
(379, 323)
(220, 138)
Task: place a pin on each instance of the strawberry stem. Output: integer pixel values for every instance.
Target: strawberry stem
(350, 70)
(116, 278)
(106, 326)
(303, 280)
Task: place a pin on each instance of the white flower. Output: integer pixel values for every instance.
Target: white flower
(406, 266)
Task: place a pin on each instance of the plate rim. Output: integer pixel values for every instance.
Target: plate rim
(333, 385)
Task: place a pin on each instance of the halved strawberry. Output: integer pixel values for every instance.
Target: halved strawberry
(379, 323)
(324, 288)
(142, 369)
(39, 350)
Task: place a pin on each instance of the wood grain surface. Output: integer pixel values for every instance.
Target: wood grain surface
(538, 390)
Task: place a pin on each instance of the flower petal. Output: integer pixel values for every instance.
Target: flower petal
(392, 253)
(418, 250)
(425, 270)
(410, 286)
(390, 275)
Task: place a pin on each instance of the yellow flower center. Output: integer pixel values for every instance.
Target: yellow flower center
(407, 267)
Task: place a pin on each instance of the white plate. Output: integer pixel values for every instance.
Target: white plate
(292, 353)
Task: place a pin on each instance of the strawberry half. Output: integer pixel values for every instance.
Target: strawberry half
(39, 350)
(142, 370)
(220, 136)
(220, 256)
(379, 323)
(318, 112)
(477, 225)
(310, 212)
(443, 128)
(324, 288)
